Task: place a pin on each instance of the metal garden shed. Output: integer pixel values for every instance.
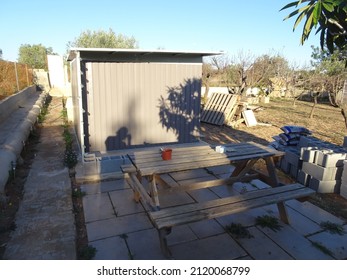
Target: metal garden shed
(126, 98)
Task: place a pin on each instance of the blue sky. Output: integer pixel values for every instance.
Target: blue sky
(254, 26)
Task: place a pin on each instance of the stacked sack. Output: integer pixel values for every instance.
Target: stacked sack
(290, 136)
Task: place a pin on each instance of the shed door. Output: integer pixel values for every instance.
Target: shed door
(134, 104)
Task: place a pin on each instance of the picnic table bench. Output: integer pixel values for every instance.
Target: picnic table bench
(149, 164)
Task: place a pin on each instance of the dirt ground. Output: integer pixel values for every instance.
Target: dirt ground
(327, 125)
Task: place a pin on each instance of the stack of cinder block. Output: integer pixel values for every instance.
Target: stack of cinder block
(321, 169)
(312, 162)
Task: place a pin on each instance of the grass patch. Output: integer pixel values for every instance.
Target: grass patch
(77, 193)
(332, 228)
(87, 253)
(238, 231)
(269, 222)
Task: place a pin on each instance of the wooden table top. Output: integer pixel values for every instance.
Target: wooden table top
(196, 155)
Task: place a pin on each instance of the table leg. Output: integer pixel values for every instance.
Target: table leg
(271, 169)
(154, 191)
(242, 168)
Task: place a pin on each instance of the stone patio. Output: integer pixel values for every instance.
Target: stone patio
(119, 228)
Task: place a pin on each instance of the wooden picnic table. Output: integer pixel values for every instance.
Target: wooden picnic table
(148, 166)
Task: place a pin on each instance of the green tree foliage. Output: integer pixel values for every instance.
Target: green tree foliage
(34, 55)
(102, 39)
(327, 16)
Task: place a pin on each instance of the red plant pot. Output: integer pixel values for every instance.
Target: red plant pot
(166, 154)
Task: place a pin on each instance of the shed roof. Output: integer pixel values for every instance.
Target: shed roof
(110, 54)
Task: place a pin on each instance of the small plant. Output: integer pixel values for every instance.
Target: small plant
(268, 221)
(87, 253)
(77, 193)
(238, 231)
(70, 158)
(332, 228)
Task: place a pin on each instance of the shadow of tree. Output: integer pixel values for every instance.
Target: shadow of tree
(180, 110)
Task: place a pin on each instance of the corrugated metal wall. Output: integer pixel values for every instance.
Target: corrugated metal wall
(75, 98)
(132, 104)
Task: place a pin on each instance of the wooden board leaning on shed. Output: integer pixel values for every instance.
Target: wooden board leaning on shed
(220, 108)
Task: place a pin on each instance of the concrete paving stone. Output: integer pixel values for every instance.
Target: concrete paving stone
(190, 174)
(206, 177)
(223, 169)
(206, 228)
(144, 245)
(113, 248)
(246, 218)
(335, 243)
(105, 186)
(175, 199)
(313, 212)
(243, 187)
(260, 247)
(224, 191)
(169, 180)
(97, 207)
(203, 195)
(180, 234)
(117, 226)
(124, 203)
(298, 222)
(294, 243)
(219, 247)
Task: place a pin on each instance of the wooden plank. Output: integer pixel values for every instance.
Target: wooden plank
(137, 186)
(213, 209)
(226, 201)
(206, 184)
(218, 108)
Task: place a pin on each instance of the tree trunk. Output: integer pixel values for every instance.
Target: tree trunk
(344, 112)
(315, 97)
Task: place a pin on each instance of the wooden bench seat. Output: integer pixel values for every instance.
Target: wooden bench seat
(165, 219)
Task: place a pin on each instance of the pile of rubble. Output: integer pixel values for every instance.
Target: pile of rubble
(317, 164)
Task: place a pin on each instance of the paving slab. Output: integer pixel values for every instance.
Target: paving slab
(124, 203)
(260, 247)
(219, 247)
(335, 243)
(313, 212)
(144, 245)
(97, 207)
(294, 243)
(113, 248)
(190, 174)
(206, 228)
(104, 186)
(300, 223)
(180, 234)
(203, 195)
(116, 226)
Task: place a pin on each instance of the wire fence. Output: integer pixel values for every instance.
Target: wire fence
(14, 77)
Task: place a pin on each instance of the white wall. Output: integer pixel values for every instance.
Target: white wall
(56, 71)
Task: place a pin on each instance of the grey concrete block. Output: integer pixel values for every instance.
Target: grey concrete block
(293, 171)
(293, 157)
(325, 186)
(285, 167)
(329, 159)
(322, 173)
(308, 154)
(302, 178)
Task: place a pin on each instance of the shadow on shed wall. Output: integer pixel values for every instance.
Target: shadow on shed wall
(180, 110)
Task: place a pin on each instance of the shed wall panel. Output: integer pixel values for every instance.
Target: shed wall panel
(135, 104)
